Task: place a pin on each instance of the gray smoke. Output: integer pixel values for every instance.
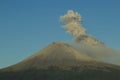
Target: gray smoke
(72, 22)
(100, 53)
(86, 43)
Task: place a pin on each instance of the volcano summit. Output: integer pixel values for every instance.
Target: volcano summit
(59, 61)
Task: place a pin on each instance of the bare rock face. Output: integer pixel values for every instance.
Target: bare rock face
(59, 61)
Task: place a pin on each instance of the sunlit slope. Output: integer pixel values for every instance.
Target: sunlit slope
(60, 61)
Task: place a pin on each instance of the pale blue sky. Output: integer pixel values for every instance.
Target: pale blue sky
(26, 26)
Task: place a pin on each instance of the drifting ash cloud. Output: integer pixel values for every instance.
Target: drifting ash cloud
(86, 43)
(100, 53)
(72, 21)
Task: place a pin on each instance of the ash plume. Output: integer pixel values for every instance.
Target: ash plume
(73, 25)
(72, 21)
(85, 42)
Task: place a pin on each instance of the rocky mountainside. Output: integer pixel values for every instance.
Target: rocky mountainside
(59, 61)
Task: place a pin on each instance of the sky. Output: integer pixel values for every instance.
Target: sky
(27, 26)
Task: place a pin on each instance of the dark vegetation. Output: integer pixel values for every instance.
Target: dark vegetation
(54, 73)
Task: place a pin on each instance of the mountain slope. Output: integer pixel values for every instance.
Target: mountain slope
(56, 54)
(59, 61)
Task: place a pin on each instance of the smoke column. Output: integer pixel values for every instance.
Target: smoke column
(72, 22)
(86, 43)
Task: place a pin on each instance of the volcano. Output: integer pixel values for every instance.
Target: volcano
(60, 61)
